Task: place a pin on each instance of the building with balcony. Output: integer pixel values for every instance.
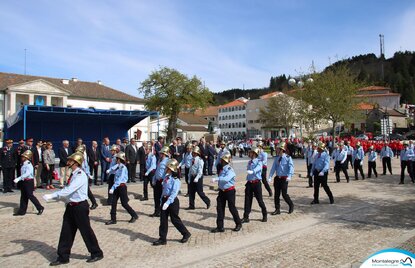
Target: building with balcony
(232, 119)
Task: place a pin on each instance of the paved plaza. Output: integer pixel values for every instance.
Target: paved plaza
(367, 216)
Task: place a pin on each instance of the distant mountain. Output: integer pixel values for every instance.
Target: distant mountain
(398, 73)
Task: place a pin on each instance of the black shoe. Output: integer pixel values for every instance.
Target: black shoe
(133, 219)
(58, 262)
(310, 186)
(264, 219)
(185, 238)
(401, 182)
(159, 242)
(40, 211)
(10, 191)
(270, 194)
(331, 200)
(276, 212)
(190, 208)
(94, 206)
(245, 220)
(217, 230)
(95, 259)
(18, 214)
(314, 202)
(186, 195)
(237, 228)
(144, 199)
(111, 222)
(133, 181)
(291, 210)
(363, 178)
(348, 181)
(207, 206)
(367, 177)
(155, 214)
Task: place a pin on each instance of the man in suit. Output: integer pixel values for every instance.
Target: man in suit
(131, 159)
(141, 158)
(124, 144)
(211, 157)
(157, 147)
(19, 150)
(38, 154)
(8, 163)
(78, 143)
(105, 159)
(63, 153)
(204, 154)
(93, 161)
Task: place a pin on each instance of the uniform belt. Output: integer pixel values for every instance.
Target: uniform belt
(28, 179)
(229, 189)
(254, 181)
(122, 185)
(264, 166)
(74, 204)
(282, 177)
(166, 196)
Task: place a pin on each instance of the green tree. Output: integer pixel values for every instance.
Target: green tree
(169, 92)
(282, 111)
(331, 94)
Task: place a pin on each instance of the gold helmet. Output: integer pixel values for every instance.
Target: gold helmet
(281, 146)
(80, 148)
(120, 155)
(226, 157)
(114, 147)
(77, 157)
(222, 143)
(196, 150)
(358, 144)
(371, 147)
(189, 146)
(27, 154)
(255, 150)
(260, 144)
(321, 145)
(405, 143)
(149, 147)
(165, 150)
(341, 143)
(172, 164)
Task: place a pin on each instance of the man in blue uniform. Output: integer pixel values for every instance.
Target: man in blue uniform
(222, 150)
(119, 189)
(76, 214)
(263, 156)
(386, 154)
(340, 163)
(320, 171)
(150, 170)
(283, 167)
(310, 153)
(253, 186)
(158, 179)
(170, 205)
(406, 162)
(187, 163)
(227, 193)
(196, 180)
(358, 156)
(371, 161)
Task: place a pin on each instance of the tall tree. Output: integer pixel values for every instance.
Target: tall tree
(332, 94)
(169, 92)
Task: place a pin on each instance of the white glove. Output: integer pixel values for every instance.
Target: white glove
(250, 172)
(288, 178)
(108, 171)
(146, 174)
(111, 191)
(153, 183)
(16, 180)
(196, 180)
(47, 197)
(311, 174)
(321, 173)
(361, 163)
(165, 206)
(270, 179)
(213, 180)
(179, 165)
(90, 177)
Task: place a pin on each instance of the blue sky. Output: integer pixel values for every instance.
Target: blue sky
(227, 44)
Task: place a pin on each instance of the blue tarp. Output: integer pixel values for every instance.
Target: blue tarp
(57, 123)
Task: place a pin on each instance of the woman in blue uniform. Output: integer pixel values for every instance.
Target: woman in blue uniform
(119, 189)
(170, 205)
(27, 185)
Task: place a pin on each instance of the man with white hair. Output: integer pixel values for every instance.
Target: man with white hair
(63, 153)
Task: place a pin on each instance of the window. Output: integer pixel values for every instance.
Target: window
(250, 121)
(240, 124)
(243, 125)
(257, 121)
(243, 116)
(243, 107)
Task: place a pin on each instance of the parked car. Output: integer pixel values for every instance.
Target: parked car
(395, 136)
(362, 137)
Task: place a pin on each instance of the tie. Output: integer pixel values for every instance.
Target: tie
(279, 160)
(69, 179)
(319, 154)
(166, 179)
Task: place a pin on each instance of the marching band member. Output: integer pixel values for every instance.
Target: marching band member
(187, 163)
(85, 166)
(386, 154)
(227, 193)
(406, 155)
(340, 163)
(253, 186)
(371, 160)
(263, 156)
(27, 185)
(76, 215)
(170, 204)
(283, 167)
(150, 170)
(114, 149)
(320, 171)
(119, 189)
(358, 156)
(158, 179)
(196, 180)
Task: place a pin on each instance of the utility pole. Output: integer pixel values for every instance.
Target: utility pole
(382, 55)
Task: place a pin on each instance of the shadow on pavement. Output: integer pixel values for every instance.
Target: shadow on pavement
(207, 215)
(134, 235)
(48, 252)
(196, 225)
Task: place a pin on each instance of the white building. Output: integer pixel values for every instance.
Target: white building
(232, 119)
(18, 90)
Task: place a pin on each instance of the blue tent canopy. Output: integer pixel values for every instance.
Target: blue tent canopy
(58, 123)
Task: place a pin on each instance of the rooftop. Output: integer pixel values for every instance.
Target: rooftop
(76, 88)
